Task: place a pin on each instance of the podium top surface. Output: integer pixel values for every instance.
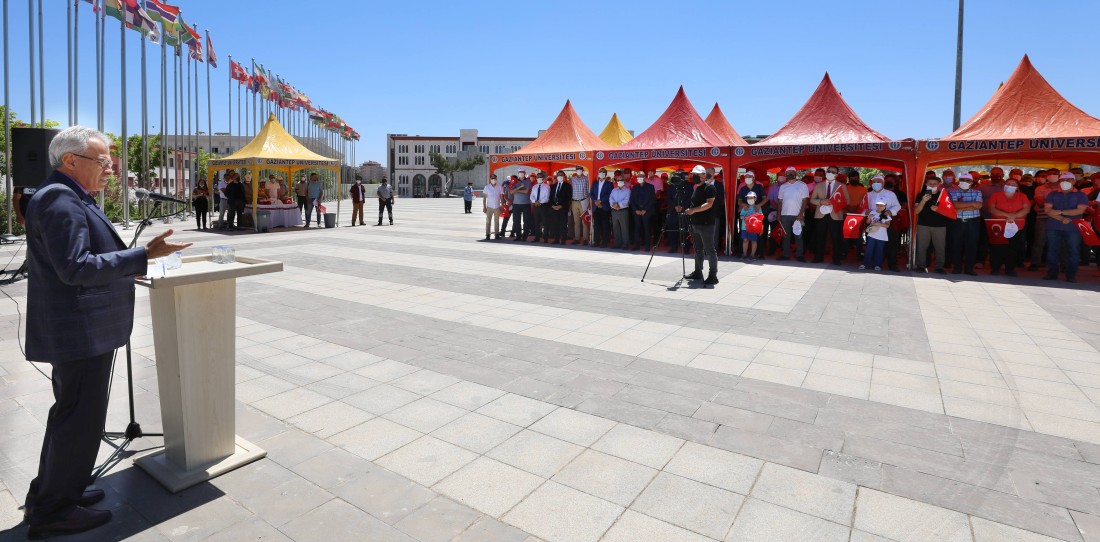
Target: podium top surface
(198, 269)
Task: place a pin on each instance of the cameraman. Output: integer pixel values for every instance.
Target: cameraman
(679, 199)
(701, 216)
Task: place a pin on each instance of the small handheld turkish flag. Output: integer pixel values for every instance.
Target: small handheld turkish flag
(838, 199)
(1088, 235)
(864, 206)
(995, 228)
(586, 217)
(505, 212)
(778, 234)
(945, 206)
(754, 223)
(852, 224)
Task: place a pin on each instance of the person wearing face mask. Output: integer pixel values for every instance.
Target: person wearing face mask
(506, 201)
(1038, 246)
(1010, 205)
(358, 194)
(491, 198)
(931, 227)
(858, 193)
(1063, 239)
(702, 218)
(468, 198)
(600, 194)
(643, 206)
(620, 211)
(560, 196)
(900, 222)
(680, 200)
(829, 217)
(968, 204)
(719, 210)
(793, 197)
(749, 186)
(578, 205)
(540, 210)
(520, 194)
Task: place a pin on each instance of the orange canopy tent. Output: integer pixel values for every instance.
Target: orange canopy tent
(567, 142)
(679, 138)
(717, 120)
(615, 134)
(1025, 123)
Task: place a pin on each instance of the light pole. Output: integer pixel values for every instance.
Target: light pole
(959, 73)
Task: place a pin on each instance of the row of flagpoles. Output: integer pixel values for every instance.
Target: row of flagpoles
(158, 22)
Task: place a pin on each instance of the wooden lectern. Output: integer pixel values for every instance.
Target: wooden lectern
(194, 310)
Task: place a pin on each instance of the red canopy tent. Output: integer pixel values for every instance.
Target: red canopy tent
(1025, 123)
(567, 142)
(679, 138)
(717, 120)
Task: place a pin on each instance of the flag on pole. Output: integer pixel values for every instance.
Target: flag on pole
(945, 206)
(210, 56)
(852, 223)
(838, 199)
(1088, 235)
(167, 16)
(754, 223)
(194, 44)
(135, 18)
(238, 73)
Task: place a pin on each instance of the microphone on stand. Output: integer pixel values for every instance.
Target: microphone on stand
(143, 194)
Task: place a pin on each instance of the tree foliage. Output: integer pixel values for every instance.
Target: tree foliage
(447, 167)
(134, 148)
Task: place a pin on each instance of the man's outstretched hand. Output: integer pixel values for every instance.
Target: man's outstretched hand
(159, 246)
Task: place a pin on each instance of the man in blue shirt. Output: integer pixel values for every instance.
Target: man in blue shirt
(468, 196)
(620, 211)
(968, 223)
(314, 190)
(1062, 208)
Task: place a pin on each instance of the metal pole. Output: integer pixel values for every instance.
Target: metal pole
(30, 51)
(76, 63)
(41, 70)
(69, 59)
(209, 115)
(100, 76)
(229, 101)
(958, 73)
(123, 166)
(163, 116)
(7, 126)
(190, 133)
(143, 178)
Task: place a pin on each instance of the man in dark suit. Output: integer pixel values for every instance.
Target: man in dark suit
(80, 308)
(601, 209)
(643, 206)
(561, 195)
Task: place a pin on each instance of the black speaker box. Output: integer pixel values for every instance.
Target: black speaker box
(30, 155)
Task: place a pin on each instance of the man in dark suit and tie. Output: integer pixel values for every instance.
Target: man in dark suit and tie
(643, 203)
(601, 210)
(561, 195)
(80, 308)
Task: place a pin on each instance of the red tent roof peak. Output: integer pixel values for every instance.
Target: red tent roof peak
(1027, 106)
(717, 120)
(825, 118)
(568, 133)
(680, 126)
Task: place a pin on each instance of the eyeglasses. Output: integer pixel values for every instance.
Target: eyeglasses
(105, 162)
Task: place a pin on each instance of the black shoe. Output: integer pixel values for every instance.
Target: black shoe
(90, 497)
(815, 260)
(1050, 277)
(782, 259)
(801, 259)
(1010, 273)
(957, 272)
(971, 272)
(391, 223)
(1033, 267)
(696, 275)
(486, 237)
(80, 519)
(378, 224)
(712, 279)
(941, 271)
(1071, 279)
(994, 272)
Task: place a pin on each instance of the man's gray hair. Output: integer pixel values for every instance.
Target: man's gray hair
(74, 139)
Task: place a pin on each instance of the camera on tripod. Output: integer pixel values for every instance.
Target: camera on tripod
(678, 178)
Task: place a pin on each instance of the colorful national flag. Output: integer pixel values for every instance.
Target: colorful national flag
(237, 72)
(995, 230)
(210, 56)
(135, 18)
(945, 206)
(852, 225)
(838, 199)
(1088, 235)
(754, 223)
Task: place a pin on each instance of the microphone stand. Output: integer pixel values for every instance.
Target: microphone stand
(133, 429)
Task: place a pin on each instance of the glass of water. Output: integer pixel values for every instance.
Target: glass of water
(229, 255)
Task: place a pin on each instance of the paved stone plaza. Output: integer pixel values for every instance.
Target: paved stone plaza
(413, 382)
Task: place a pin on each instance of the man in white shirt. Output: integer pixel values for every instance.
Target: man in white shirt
(223, 204)
(793, 196)
(540, 196)
(491, 198)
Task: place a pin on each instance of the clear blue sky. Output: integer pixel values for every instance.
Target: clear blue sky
(506, 68)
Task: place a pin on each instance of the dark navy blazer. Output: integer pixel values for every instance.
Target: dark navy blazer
(80, 293)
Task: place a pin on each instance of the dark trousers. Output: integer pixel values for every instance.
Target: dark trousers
(521, 213)
(828, 229)
(720, 229)
(200, 217)
(236, 210)
(601, 220)
(557, 222)
(876, 250)
(704, 247)
(1063, 243)
(71, 442)
(302, 200)
(1007, 254)
(540, 219)
(469, 204)
(643, 225)
(383, 205)
(893, 246)
(964, 244)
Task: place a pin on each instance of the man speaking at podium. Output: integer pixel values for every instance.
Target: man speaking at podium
(80, 308)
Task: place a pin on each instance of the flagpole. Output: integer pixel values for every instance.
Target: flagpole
(198, 142)
(7, 126)
(76, 62)
(30, 51)
(143, 178)
(41, 70)
(177, 169)
(69, 58)
(229, 101)
(123, 166)
(190, 133)
(209, 114)
(100, 74)
(163, 112)
(254, 93)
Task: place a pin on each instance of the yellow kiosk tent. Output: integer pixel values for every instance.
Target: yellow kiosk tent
(274, 149)
(615, 134)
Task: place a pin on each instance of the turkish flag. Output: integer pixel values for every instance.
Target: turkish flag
(852, 224)
(754, 223)
(864, 206)
(586, 217)
(838, 199)
(778, 234)
(945, 206)
(1088, 235)
(995, 228)
(505, 211)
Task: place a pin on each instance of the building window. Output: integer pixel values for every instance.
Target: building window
(418, 149)
(214, 150)
(484, 149)
(435, 148)
(419, 160)
(187, 165)
(452, 149)
(403, 148)
(171, 161)
(402, 160)
(515, 148)
(229, 150)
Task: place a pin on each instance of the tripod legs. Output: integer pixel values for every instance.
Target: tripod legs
(681, 234)
(133, 429)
